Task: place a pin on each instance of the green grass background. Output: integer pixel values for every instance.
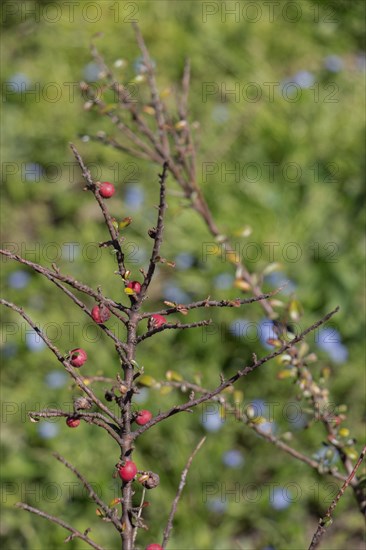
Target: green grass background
(319, 208)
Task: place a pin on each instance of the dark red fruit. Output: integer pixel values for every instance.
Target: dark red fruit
(156, 321)
(135, 286)
(128, 471)
(72, 422)
(100, 314)
(106, 189)
(78, 357)
(143, 417)
(154, 546)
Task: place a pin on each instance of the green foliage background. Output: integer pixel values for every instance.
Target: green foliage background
(322, 205)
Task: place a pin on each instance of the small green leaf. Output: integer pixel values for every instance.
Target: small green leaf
(164, 390)
(295, 309)
(285, 373)
(172, 375)
(108, 108)
(125, 222)
(284, 359)
(351, 452)
(147, 380)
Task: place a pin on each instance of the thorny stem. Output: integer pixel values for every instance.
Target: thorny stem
(132, 341)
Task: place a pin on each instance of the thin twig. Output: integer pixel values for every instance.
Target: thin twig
(138, 516)
(155, 97)
(240, 374)
(327, 519)
(109, 512)
(182, 483)
(167, 326)
(236, 302)
(74, 532)
(108, 220)
(91, 417)
(158, 236)
(56, 275)
(78, 379)
(184, 385)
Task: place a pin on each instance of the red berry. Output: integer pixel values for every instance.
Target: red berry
(106, 189)
(100, 314)
(143, 417)
(72, 422)
(135, 286)
(154, 546)
(156, 321)
(128, 471)
(78, 357)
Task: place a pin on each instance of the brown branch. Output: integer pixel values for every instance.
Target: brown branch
(326, 521)
(120, 346)
(138, 516)
(240, 374)
(236, 302)
(74, 532)
(112, 142)
(107, 217)
(55, 279)
(182, 483)
(109, 512)
(57, 276)
(126, 131)
(92, 418)
(168, 326)
(185, 385)
(155, 97)
(294, 453)
(158, 237)
(78, 379)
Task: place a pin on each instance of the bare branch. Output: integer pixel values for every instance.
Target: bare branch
(185, 385)
(74, 532)
(56, 276)
(159, 111)
(182, 483)
(78, 379)
(158, 236)
(138, 516)
(92, 418)
(236, 302)
(240, 374)
(168, 326)
(109, 512)
(326, 521)
(108, 220)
